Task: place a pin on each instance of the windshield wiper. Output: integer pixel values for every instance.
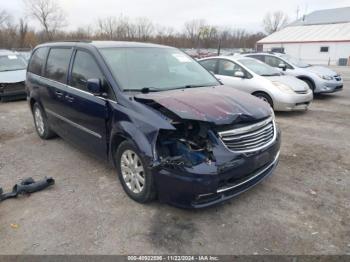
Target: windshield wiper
(145, 90)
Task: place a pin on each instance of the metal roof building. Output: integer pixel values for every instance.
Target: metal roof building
(322, 37)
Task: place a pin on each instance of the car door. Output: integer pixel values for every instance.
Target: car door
(54, 86)
(226, 73)
(87, 113)
(276, 61)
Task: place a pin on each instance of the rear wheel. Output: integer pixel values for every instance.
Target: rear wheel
(265, 97)
(136, 179)
(41, 123)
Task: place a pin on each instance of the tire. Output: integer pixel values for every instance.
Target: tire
(41, 123)
(310, 84)
(137, 181)
(265, 97)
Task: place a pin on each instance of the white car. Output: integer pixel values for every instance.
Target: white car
(319, 78)
(283, 93)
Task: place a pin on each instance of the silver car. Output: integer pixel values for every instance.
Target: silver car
(283, 93)
(319, 78)
(12, 76)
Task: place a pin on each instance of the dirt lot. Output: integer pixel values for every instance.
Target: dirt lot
(302, 209)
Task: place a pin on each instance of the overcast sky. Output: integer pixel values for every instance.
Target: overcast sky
(246, 14)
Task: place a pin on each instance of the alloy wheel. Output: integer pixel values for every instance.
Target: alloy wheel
(39, 121)
(132, 171)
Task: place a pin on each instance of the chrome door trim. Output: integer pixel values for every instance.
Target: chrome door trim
(74, 124)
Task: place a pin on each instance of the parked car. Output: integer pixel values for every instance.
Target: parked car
(283, 93)
(24, 54)
(319, 78)
(12, 76)
(167, 125)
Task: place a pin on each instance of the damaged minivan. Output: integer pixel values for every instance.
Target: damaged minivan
(169, 127)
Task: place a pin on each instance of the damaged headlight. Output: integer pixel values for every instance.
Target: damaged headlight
(188, 145)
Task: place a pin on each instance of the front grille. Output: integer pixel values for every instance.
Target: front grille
(250, 137)
(13, 87)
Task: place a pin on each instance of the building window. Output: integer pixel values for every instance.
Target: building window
(324, 49)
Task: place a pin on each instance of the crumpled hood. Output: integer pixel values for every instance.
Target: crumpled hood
(219, 105)
(321, 70)
(13, 76)
(291, 81)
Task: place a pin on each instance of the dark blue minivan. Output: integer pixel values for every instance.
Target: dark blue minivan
(168, 126)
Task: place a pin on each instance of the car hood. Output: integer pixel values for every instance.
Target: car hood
(12, 76)
(219, 105)
(321, 70)
(291, 81)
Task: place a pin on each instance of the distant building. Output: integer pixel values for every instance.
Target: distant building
(322, 37)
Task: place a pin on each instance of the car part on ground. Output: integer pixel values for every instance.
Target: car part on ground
(283, 93)
(319, 78)
(27, 186)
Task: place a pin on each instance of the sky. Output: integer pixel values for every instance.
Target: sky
(247, 14)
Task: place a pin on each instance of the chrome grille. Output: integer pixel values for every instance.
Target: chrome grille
(251, 137)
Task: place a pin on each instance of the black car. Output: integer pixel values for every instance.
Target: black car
(168, 126)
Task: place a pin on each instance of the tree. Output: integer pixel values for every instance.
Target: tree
(48, 13)
(22, 31)
(275, 21)
(4, 18)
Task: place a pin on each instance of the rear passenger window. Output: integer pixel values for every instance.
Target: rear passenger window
(37, 61)
(57, 64)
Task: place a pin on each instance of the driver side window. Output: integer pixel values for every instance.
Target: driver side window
(85, 68)
(275, 62)
(228, 68)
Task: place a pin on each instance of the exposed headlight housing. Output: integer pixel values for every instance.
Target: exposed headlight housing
(325, 77)
(284, 88)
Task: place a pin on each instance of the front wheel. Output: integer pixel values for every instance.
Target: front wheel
(136, 179)
(264, 97)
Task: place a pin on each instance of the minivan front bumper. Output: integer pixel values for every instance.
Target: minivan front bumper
(195, 189)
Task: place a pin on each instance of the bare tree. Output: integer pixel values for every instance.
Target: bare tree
(48, 13)
(193, 30)
(275, 21)
(144, 28)
(22, 32)
(5, 18)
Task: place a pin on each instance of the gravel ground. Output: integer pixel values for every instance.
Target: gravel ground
(302, 209)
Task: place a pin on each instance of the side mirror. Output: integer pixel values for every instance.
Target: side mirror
(239, 74)
(282, 66)
(94, 86)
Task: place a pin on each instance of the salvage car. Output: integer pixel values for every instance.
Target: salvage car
(283, 93)
(320, 79)
(166, 124)
(12, 76)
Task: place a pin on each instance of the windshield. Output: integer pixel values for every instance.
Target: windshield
(294, 61)
(156, 69)
(12, 63)
(259, 68)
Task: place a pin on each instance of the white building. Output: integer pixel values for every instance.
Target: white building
(322, 37)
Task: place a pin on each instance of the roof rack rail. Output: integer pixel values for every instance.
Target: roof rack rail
(72, 41)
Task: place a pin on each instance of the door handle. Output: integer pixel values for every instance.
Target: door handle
(59, 94)
(69, 98)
